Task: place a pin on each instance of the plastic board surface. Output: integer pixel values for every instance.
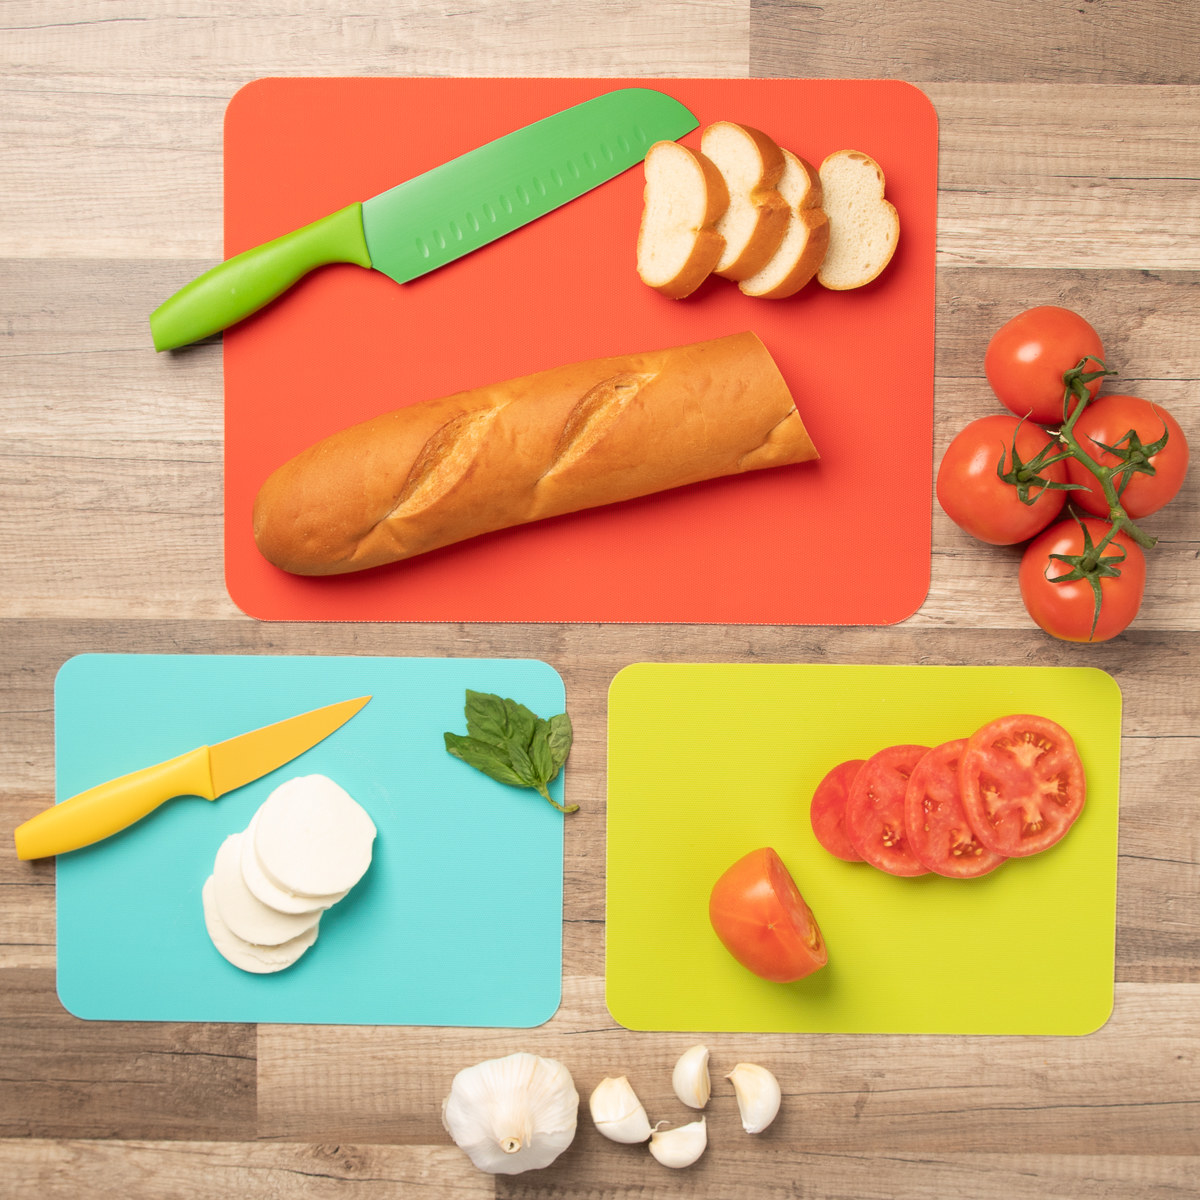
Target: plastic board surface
(421, 940)
(709, 762)
(347, 344)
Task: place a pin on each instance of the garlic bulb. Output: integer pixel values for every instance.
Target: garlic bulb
(758, 1095)
(512, 1114)
(681, 1146)
(690, 1077)
(617, 1111)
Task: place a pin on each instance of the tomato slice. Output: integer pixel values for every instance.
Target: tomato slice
(1022, 784)
(758, 913)
(875, 810)
(828, 810)
(939, 833)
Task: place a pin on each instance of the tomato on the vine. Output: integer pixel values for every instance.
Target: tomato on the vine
(1108, 422)
(1027, 356)
(757, 911)
(1067, 610)
(975, 496)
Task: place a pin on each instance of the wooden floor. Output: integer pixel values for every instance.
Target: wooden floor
(1070, 173)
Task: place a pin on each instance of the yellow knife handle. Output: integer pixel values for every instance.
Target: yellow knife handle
(110, 807)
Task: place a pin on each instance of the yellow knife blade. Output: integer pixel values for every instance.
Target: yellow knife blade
(207, 771)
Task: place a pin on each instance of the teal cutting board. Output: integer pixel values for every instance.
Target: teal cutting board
(457, 922)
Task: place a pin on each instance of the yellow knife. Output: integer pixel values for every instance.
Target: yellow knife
(208, 771)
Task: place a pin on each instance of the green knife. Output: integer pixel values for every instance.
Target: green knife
(427, 222)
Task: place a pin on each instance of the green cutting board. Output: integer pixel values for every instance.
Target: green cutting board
(458, 921)
(708, 762)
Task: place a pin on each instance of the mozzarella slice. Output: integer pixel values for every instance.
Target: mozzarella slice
(312, 838)
(260, 960)
(242, 911)
(269, 893)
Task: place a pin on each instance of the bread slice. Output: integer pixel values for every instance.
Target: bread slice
(805, 240)
(754, 223)
(678, 244)
(864, 228)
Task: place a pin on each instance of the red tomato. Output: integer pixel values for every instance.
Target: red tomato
(1022, 784)
(978, 500)
(1106, 422)
(938, 830)
(875, 810)
(758, 913)
(1067, 610)
(828, 810)
(1027, 356)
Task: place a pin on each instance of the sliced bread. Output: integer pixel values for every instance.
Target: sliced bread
(678, 243)
(864, 228)
(754, 222)
(802, 250)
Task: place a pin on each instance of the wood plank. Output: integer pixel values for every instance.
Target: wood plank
(145, 1170)
(1036, 41)
(1125, 1089)
(66, 1078)
(217, 1170)
(1025, 182)
(117, 150)
(90, 487)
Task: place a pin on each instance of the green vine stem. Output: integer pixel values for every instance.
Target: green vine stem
(1076, 381)
(1093, 564)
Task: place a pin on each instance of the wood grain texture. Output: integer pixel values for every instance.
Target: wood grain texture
(1070, 155)
(1025, 42)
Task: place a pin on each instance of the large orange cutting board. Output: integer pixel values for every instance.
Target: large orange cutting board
(844, 541)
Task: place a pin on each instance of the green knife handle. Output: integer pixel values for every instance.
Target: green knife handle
(110, 807)
(242, 285)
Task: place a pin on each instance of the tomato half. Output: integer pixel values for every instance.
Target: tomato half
(939, 833)
(1022, 784)
(828, 810)
(1108, 422)
(875, 810)
(1027, 356)
(976, 499)
(758, 913)
(1066, 610)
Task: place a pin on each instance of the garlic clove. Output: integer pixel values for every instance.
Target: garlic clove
(512, 1114)
(618, 1113)
(690, 1077)
(758, 1095)
(681, 1146)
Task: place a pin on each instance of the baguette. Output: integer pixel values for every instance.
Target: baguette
(864, 228)
(805, 241)
(678, 244)
(569, 438)
(757, 215)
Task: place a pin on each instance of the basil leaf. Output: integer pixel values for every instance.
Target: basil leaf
(540, 754)
(560, 736)
(487, 718)
(512, 744)
(483, 756)
(521, 723)
(522, 764)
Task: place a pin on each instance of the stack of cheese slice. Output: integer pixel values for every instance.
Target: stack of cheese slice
(307, 845)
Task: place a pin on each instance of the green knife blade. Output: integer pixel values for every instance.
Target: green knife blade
(435, 218)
